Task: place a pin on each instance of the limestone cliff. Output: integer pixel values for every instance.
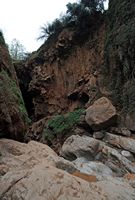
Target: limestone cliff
(64, 74)
(69, 72)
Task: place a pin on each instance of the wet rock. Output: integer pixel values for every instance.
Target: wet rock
(101, 114)
(100, 170)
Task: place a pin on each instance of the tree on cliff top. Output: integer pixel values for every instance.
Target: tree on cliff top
(17, 50)
(78, 14)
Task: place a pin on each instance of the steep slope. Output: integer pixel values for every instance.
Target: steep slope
(64, 73)
(70, 71)
(119, 68)
(13, 115)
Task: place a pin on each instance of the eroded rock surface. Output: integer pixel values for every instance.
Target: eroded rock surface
(31, 173)
(83, 149)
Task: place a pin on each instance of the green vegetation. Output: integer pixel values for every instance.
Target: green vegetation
(61, 124)
(120, 53)
(12, 93)
(81, 15)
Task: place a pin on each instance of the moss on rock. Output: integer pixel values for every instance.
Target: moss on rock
(12, 93)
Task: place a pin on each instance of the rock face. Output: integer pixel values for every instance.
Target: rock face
(130, 121)
(13, 115)
(101, 114)
(28, 171)
(62, 74)
(120, 54)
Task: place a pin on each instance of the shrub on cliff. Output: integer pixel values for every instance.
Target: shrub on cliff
(61, 124)
(80, 15)
(50, 29)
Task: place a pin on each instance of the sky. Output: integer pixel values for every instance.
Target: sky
(22, 19)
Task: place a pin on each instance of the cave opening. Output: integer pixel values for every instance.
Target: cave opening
(28, 101)
(84, 97)
(74, 96)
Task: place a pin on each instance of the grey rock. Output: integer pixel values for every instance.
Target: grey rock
(121, 142)
(101, 171)
(91, 149)
(128, 155)
(99, 135)
(79, 146)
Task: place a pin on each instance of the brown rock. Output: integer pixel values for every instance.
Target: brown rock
(86, 177)
(101, 114)
(121, 131)
(129, 176)
(69, 70)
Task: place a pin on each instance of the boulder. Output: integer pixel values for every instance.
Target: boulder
(99, 135)
(121, 142)
(101, 114)
(79, 146)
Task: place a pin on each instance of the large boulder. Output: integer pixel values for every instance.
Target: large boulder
(31, 173)
(79, 146)
(101, 114)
